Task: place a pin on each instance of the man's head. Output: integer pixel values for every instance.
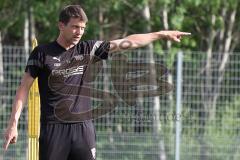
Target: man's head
(72, 11)
(72, 23)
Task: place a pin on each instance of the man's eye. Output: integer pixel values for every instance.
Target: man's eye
(75, 27)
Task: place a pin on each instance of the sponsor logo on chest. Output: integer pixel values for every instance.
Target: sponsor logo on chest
(76, 70)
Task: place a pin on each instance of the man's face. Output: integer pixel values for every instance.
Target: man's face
(72, 31)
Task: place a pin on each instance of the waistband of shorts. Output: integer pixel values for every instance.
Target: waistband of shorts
(59, 122)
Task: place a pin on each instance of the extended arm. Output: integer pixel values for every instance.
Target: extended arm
(11, 133)
(140, 40)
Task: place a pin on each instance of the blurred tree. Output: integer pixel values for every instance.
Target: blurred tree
(215, 29)
(11, 14)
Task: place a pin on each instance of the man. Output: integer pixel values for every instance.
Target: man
(61, 137)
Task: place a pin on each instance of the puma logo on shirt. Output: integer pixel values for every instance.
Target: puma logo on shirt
(56, 58)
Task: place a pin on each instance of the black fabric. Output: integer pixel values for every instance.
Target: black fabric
(35, 62)
(61, 75)
(67, 141)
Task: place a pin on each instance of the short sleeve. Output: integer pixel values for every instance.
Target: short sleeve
(35, 63)
(100, 49)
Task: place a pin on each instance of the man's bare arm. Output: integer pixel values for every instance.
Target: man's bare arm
(140, 40)
(11, 133)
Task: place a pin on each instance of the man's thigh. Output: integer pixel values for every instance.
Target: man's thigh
(54, 142)
(83, 142)
(67, 141)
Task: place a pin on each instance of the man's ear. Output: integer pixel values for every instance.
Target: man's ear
(61, 25)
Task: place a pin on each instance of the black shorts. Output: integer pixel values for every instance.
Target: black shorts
(67, 141)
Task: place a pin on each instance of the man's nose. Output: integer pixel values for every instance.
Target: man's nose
(78, 31)
(81, 31)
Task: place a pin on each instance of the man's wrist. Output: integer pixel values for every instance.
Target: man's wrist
(162, 35)
(13, 122)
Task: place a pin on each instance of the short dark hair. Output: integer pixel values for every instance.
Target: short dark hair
(72, 11)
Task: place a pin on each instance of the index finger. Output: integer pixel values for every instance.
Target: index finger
(184, 33)
(6, 143)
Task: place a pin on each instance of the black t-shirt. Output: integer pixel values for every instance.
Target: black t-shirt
(64, 78)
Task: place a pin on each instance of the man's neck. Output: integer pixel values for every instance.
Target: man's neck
(61, 41)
